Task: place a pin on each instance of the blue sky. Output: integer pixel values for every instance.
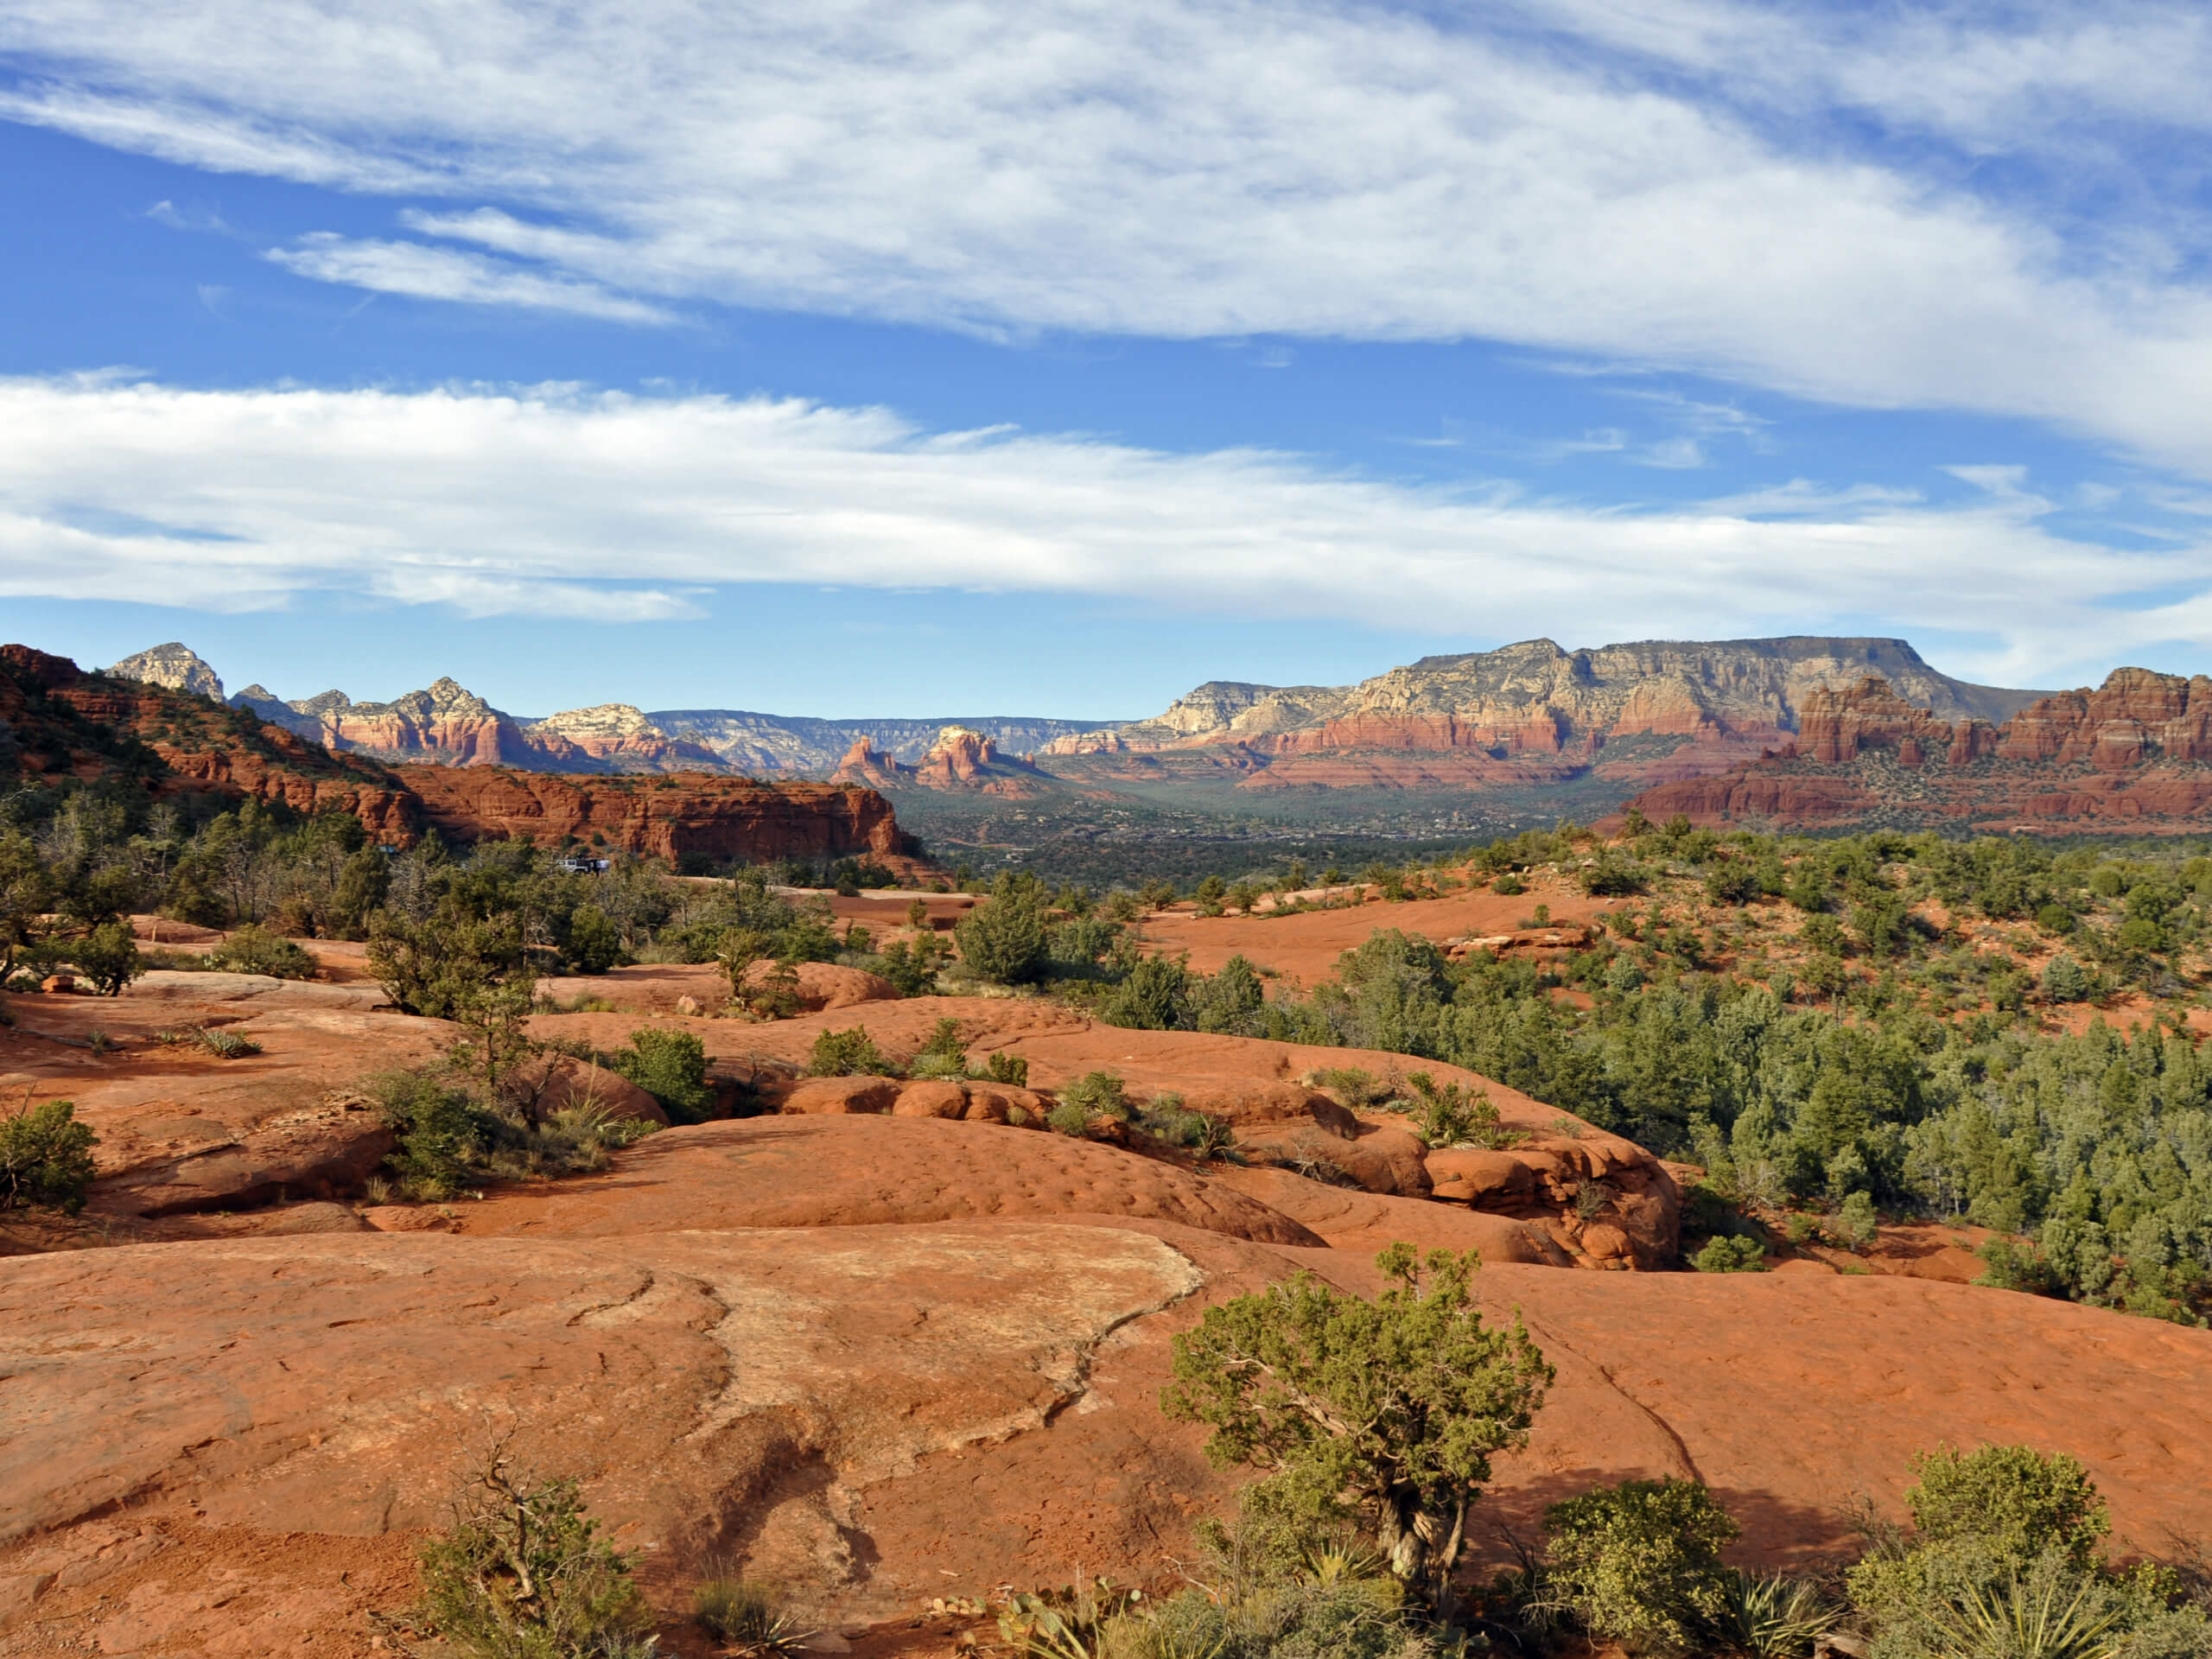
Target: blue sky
(861, 359)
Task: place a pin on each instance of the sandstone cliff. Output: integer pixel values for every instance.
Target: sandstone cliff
(1536, 698)
(55, 720)
(445, 721)
(961, 759)
(2135, 754)
(621, 735)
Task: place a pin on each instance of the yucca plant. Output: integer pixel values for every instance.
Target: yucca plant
(2051, 1617)
(1332, 1564)
(745, 1618)
(1772, 1615)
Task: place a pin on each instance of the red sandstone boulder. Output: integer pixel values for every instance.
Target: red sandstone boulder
(841, 1096)
(1379, 1159)
(1243, 1105)
(934, 1097)
(836, 1170)
(1001, 1103)
(823, 987)
(1481, 1178)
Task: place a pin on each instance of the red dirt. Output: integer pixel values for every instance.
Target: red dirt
(1303, 946)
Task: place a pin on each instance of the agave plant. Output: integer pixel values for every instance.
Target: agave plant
(1772, 1615)
(745, 1617)
(1328, 1564)
(2052, 1616)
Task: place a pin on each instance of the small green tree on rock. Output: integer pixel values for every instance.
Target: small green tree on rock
(526, 1574)
(1383, 1413)
(1004, 940)
(46, 1157)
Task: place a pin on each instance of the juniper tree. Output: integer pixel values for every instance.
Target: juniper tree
(1384, 1413)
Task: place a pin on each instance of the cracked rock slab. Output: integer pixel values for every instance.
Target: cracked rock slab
(718, 1393)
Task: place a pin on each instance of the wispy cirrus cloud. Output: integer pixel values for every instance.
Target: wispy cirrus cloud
(565, 501)
(446, 274)
(1785, 195)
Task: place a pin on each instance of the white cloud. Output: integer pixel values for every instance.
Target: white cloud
(444, 274)
(1678, 182)
(562, 501)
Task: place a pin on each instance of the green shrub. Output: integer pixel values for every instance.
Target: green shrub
(525, 1574)
(1640, 1562)
(2054, 918)
(109, 957)
(1856, 1221)
(441, 1135)
(1356, 1618)
(1733, 881)
(224, 1045)
(257, 949)
(2019, 1501)
(1614, 877)
(595, 943)
(1009, 1069)
(943, 1055)
(46, 1157)
(1004, 940)
(1070, 1119)
(1731, 1254)
(1771, 1616)
(847, 1054)
(2065, 980)
(669, 1065)
(1356, 1088)
(1453, 1115)
(1096, 1094)
(912, 969)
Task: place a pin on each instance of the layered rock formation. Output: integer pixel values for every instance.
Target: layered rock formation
(1536, 698)
(445, 722)
(58, 719)
(175, 665)
(2135, 754)
(961, 758)
(1526, 717)
(792, 743)
(1516, 722)
(621, 735)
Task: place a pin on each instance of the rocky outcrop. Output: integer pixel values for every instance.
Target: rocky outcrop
(962, 760)
(59, 720)
(1838, 726)
(2135, 754)
(668, 816)
(1537, 699)
(445, 722)
(863, 763)
(175, 665)
(620, 734)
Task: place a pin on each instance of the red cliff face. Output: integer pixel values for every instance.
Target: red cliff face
(1840, 726)
(2135, 752)
(958, 757)
(61, 720)
(863, 765)
(2136, 715)
(668, 814)
(960, 760)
